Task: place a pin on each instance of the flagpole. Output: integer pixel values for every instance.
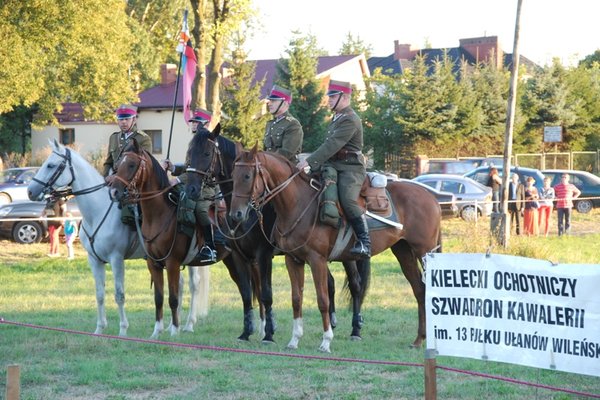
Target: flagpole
(174, 103)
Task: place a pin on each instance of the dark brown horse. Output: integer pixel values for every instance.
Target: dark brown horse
(259, 177)
(140, 179)
(212, 157)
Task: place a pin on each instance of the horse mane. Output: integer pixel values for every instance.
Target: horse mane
(159, 172)
(226, 146)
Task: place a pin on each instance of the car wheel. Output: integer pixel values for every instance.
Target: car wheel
(469, 213)
(27, 232)
(584, 206)
(4, 199)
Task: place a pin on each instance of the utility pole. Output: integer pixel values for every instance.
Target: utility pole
(510, 122)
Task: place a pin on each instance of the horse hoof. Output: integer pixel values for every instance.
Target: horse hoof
(355, 338)
(243, 338)
(324, 349)
(269, 342)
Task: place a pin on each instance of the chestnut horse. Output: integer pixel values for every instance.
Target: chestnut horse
(212, 157)
(140, 179)
(259, 177)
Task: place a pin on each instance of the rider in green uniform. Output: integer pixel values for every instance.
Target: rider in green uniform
(342, 150)
(207, 254)
(283, 133)
(127, 119)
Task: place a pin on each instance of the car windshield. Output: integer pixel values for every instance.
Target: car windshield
(14, 175)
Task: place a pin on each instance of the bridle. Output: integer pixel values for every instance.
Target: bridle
(47, 187)
(257, 201)
(208, 175)
(133, 185)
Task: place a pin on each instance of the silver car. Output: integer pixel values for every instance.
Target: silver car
(14, 182)
(472, 198)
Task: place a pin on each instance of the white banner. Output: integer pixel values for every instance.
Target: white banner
(516, 310)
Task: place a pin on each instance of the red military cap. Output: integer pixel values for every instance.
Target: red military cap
(201, 115)
(126, 111)
(279, 93)
(337, 87)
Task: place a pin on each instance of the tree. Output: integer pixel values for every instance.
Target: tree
(242, 104)
(214, 23)
(353, 46)
(75, 51)
(298, 73)
(546, 101)
(154, 25)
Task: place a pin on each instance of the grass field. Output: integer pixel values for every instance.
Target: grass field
(57, 365)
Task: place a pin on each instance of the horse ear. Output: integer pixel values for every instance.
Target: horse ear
(238, 148)
(216, 132)
(254, 149)
(54, 143)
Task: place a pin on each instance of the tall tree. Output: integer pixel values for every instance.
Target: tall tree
(64, 51)
(353, 46)
(241, 102)
(546, 102)
(155, 25)
(298, 73)
(214, 23)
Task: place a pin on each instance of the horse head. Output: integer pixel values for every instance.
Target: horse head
(248, 183)
(204, 160)
(54, 174)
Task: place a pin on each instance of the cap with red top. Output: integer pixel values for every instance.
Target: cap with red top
(201, 115)
(279, 93)
(337, 87)
(126, 111)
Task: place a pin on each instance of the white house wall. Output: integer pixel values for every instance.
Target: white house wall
(93, 137)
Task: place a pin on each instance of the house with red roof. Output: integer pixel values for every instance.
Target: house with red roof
(155, 109)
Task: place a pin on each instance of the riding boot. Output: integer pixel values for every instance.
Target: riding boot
(362, 247)
(207, 253)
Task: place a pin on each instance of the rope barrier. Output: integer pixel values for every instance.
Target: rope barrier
(299, 356)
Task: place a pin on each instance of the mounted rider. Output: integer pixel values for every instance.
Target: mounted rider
(283, 134)
(127, 120)
(208, 254)
(342, 150)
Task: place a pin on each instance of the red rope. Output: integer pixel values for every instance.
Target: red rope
(302, 356)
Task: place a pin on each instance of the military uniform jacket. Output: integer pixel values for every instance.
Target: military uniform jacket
(284, 136)
(117, 143)
(345, 132)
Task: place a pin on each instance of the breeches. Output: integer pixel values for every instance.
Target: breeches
(203, 204)
(349, 184)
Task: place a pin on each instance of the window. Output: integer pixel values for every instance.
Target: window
(66, 136)
(156, 137)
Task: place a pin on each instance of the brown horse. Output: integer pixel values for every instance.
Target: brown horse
(259, 177)
(140, 179)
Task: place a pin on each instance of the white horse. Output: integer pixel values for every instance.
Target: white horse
(104, 236)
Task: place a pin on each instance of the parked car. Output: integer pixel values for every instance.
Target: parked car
(588, 183)
(22, 221)
(472, 198)
(446, 200)
(481, 174)
(14, 182)
(448, 167)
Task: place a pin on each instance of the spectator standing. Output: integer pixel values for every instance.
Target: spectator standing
(70, 234)
(516, 197)
(546, 205)
(494, 181)
(55, 209)
(530, 215)
(565, 193)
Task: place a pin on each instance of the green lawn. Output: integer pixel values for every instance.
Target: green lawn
(57, 365)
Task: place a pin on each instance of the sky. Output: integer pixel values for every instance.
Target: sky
(567, 29)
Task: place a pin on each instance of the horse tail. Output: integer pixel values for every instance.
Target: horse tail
(364, 275)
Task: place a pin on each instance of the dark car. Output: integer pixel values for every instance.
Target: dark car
(23, 221)
(589, 184)
(446, 200)
(14, 182)
(482, 174)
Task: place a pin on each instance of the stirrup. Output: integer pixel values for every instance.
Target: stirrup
(207, 255)
(359, 249)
